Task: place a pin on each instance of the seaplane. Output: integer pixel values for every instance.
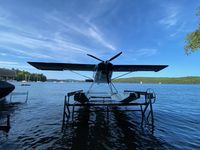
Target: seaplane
(103, 74)
(103, 71)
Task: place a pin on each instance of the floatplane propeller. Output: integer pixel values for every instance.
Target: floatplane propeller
(104, 69)
(112, 58)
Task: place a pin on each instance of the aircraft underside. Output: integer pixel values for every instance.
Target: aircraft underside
(101, 77)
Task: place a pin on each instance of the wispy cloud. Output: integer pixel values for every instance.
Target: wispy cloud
(23, 53)
(3, 54)
(9, 63)
(38, 48)
(86, 29)
(146, 52)
(19, 39)
(171, 17)
(96, 35)
(60, 43)
(27, 42)
(181, 28)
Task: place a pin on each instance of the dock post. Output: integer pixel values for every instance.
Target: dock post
(64, 113)
(26, 97)
(151, 111)
(8, 121)
(11, 97)
(107, 113)
(68, 116)
(142, 112)
(73, 113)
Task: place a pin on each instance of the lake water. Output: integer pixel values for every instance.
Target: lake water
(37, 124)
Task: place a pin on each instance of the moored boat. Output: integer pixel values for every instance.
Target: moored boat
(6, 87)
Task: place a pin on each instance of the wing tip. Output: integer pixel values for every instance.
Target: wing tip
(29, 62)
(162, 67)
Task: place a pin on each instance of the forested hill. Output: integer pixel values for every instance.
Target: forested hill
(25, 75)
(162, 80)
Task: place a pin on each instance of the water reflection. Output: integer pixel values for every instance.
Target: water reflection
(5, 111)
(92, 130)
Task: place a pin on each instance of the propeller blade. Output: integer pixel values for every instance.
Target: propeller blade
(94, 57)
(115, 56)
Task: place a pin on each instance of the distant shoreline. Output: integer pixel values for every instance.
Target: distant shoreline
(145, 80)
(161, 80)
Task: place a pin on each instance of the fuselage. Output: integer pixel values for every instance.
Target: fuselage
(103, 72)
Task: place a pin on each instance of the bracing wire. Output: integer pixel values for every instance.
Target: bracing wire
(121, 75)
(80, 74)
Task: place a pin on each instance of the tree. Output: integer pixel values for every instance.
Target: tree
(193, 39)
(25, 75)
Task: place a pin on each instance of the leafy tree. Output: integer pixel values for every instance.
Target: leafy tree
(25, 75)
(193, 39)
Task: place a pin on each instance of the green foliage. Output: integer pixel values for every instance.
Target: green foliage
(193, 39)
(25, 75)
(163, 80)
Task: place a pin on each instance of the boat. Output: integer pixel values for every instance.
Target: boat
(25, 84)
(5, 87)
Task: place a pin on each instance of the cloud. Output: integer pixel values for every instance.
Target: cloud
(171, 17)
(19, 52)
(146, 52)
(65, 38)
(181, 28)
(86, 29)
(16, 66)
(20, 39)
(38, 48)
(8, 63)
(60, 43)
(28, 43)
(97, 36)
(3, 54)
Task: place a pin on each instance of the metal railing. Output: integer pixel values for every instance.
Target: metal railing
(145, 106)
(17, 94)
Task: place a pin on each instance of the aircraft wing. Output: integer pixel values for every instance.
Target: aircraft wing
(62, 66)
(132, 68)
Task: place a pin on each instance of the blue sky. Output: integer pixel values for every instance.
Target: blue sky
(147, 32)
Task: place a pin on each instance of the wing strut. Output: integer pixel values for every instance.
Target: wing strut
(81, 74)
(122, 75)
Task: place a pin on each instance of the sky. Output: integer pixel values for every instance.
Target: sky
(147, 32)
